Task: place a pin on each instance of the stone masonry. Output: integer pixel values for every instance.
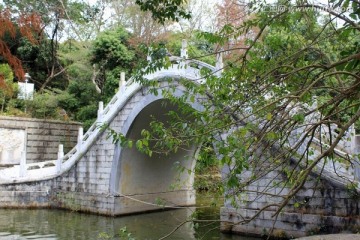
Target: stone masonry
(321, 206)
(43, 136)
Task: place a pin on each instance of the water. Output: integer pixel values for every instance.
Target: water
(48, 224)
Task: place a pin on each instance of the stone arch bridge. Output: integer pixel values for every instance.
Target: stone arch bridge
(99, 176)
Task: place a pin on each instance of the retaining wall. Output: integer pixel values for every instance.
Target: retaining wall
(42, 137)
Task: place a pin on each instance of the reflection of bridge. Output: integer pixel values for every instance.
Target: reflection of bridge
(101, 177)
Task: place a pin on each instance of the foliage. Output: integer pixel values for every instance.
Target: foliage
(144, 29)
(62, 19)
(44, 106)
(111, 49)
(81, 102)
(7, 89)
(27, 26)
(38, 59)
(76, 56)
(198, 48)
(164, 10)
(111, 85)
(297, 74)
(111, 54)
(78, 19)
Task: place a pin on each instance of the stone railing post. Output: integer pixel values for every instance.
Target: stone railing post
(122, 81)
(148, 57)
(23, 169)
(60, 158)
(219, 63)
(80, 136)
(183, 52)
(100, 110)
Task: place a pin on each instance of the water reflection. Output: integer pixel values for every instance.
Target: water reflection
(58, 224)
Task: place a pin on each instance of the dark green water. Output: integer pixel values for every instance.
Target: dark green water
(65, 225)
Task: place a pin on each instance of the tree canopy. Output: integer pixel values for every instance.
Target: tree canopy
(27, 26)
(286, 100)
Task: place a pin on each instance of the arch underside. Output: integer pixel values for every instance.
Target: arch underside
(144, 183)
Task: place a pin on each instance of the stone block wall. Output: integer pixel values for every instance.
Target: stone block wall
(42, 136)
(319, 207)
(26, 195)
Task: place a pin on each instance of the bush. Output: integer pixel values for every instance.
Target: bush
(43, 105)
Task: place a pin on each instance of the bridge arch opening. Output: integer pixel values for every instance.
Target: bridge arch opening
(157, 178)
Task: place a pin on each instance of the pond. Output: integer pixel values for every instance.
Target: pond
(19, 224)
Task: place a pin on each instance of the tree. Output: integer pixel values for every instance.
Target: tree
(28, 26)
(7, 87)
(143, 28)
(232, 14)
(203, 17)
(111, 54)
(75, 20)
(298, 75)
(165, 10)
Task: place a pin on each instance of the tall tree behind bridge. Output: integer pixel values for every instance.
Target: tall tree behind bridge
(74, 20)
(140, 24)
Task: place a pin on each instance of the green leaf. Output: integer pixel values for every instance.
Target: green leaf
(269, 116)
(139, 144)
(299, 117)
(192, 98)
